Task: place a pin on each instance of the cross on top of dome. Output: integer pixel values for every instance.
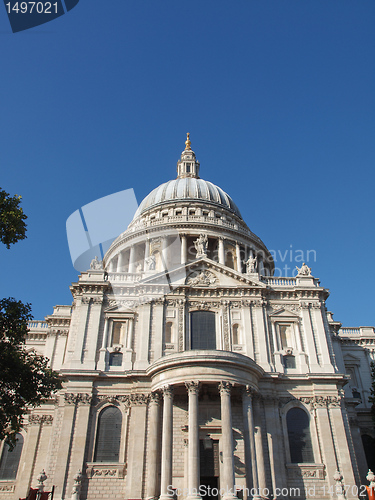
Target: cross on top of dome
(188, 166)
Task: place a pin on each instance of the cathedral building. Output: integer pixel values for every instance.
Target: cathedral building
(191, 371)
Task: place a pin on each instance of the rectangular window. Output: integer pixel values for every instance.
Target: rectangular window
(115, 359)
(203, 330)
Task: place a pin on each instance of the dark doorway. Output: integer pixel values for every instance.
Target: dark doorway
(369, 447)
(209, 468)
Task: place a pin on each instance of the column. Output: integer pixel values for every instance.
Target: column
(260, 265)
(153, 450)
(250, 451)
(258, 438)
(120, 262)
(132, 259)
(167, 443)
(147, 248)
(227, 442)
(221, 251)
(193, 445)
(183, 249)
(238, 258)
(147, 254)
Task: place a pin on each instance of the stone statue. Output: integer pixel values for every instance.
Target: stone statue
(201, 245)
(251, 264)
(150, 262)
(96, 264)
(304, 270)
(76, 491)
(139, 267)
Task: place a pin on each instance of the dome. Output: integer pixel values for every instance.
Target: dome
(188, 188)
(179, 213)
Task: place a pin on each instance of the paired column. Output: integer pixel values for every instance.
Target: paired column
(167, 443)
(258, 438)
(132, 259)
(193, 445)
(238, 258)
(249, 438)
(153, 452)
(227, 442)
(120, 262)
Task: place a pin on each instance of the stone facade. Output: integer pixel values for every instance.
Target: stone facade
(203, 354)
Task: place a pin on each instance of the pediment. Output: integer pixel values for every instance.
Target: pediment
(349, 359)
(284, 314)
(206, 272)
(202, 272)
(121, 306)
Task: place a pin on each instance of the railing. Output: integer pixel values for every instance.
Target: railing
(37, 325)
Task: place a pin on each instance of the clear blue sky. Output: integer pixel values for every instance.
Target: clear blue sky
(279, 98)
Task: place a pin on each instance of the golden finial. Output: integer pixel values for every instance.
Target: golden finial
(187, 142)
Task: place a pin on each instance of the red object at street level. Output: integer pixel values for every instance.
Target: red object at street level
(36, 494)
(370, 492)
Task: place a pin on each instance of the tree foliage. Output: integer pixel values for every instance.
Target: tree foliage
(12, 225)
(25, 379)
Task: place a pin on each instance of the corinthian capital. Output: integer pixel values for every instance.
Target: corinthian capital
(192, 387)
(225, 387)
(167, 391)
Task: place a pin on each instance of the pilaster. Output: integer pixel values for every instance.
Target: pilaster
(143, 337)
(309, 339)
(136, 453)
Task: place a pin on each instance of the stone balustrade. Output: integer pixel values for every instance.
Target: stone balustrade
(361, 330)
(37, 325)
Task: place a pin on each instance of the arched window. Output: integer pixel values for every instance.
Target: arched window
(300, 444)
(235, 334)
(168, 332)
(10, 460)
(108, 435)
(203, 331)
